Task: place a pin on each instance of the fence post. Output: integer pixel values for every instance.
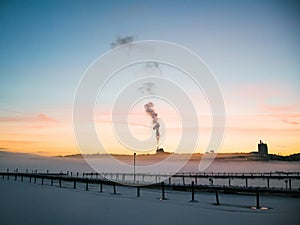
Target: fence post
(257, 199)
(101, 188)
(217, 197)
(193, 192)
(138, 191)
(87, 185)
(163, 197)
(114, 188)
(286, 184)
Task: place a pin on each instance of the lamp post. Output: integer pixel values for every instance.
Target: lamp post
(134, 154)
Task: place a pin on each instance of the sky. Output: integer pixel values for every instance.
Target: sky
(251, 47)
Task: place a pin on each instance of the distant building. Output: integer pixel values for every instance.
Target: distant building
(262, 149)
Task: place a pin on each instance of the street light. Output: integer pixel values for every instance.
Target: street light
(134, 154)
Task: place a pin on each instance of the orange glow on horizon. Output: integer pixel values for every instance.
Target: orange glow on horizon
(52, 135)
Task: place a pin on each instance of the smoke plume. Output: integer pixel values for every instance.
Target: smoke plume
(149, 109)
(122, 41)
(153, 68)
(147, 88)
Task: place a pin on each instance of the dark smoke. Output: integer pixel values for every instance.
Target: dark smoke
(153, 67)
(149, 109)
(122, 41)
(147, 88)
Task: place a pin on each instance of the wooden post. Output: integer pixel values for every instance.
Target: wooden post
(101, 188)
(169, 180)
(163, 197)
(114, 187)
(15, 176)
(246, 182)
(87, 185)
(183, 180)
(257, 199)
(268, 182)
(59, 182)
(196, 180)
(74, 185)
(22, 178)
(42, 181)
(34, 179)
(217, 197)
(229, 182)
(193, 192)
(51, 181)
(290, 184)
(29, 178)
(138, 192)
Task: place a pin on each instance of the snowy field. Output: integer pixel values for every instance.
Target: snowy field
(29, 203)
(32, 203)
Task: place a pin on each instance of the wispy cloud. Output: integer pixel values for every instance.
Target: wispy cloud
(37, 118)
(294, 120)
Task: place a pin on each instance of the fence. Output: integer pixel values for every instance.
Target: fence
(174, 182)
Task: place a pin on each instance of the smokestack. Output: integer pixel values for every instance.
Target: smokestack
(149, 109)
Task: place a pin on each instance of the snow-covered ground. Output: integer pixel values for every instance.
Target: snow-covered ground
(29, 203)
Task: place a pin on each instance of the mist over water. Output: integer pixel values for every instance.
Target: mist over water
(57, 164)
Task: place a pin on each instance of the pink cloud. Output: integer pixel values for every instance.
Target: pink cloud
(295, 120)
(38, 118)
(45, 118)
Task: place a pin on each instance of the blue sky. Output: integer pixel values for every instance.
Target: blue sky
(47, 45)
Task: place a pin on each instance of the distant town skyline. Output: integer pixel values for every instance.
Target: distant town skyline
(252, 47)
